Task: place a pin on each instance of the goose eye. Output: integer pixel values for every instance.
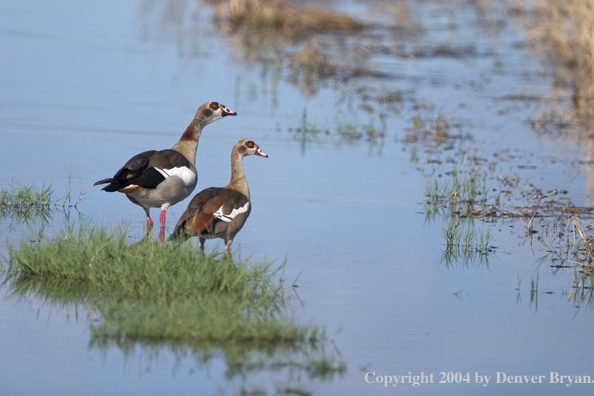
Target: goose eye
(250, 144)
(214, 106)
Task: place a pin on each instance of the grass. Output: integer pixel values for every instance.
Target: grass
(459, 195)
(582, 292)
(534, 285)
(455, 201)
(204, 319)
(153, 296)
(348, 130)
(147, 297)
(309, 65)
(307, 131)
(464, 198)
(352, 131)
(280, 33)
(573, 248)
(342, 130)
(20, 195)
(561, 32)
(280, 17)
(25, 201)
(153, 290)
(466, 245)
(433, 132)
(147, 270)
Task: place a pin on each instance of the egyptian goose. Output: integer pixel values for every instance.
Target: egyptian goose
(220, 212)
(163, 178)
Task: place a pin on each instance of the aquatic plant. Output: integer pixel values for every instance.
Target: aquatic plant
(457, 195)
(432, 131)
(29, 202)
(26, 202)
(348, 130)
(467, 245)
(25, 196)
(572, 247)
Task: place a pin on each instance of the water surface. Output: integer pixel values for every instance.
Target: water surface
(87, 85)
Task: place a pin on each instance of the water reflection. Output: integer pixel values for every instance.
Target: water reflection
(18, 215)
(466, 257)
(269, 367)
(582, 291)
(248, 368)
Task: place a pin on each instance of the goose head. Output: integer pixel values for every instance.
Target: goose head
(248, 147)
(211, 112)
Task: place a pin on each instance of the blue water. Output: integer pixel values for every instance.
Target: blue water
(86, 85)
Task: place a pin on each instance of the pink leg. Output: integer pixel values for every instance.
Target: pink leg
(227, 250)
(149, 224)
(162, 231)
(162, 218)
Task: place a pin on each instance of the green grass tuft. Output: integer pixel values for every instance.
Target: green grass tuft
(152, 290)
(147, 297)
(20, 195)
(25, 202)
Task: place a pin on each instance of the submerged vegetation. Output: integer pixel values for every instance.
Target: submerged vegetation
(23, 202)
(566, 231)
(339, 131)
(455, 202)
(27, 202)
(23, 196)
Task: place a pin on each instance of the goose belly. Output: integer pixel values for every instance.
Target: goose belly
(170, 191)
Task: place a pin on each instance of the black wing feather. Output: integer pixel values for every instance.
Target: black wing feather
(140, 169)
(150, 178)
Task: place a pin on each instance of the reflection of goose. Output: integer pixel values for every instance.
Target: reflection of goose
(163, 178)
(220, 212)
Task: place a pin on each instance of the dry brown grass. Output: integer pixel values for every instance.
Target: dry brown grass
(563, 30)
(399, 11)
(281, 18)
(278, 32)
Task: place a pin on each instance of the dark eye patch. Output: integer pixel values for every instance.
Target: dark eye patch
(250, 144)
(214, 105)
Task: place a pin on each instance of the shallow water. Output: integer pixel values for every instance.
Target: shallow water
(81, 94)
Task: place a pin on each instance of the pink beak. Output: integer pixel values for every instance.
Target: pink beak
(261, 153)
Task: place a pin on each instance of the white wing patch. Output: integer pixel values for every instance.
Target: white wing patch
(183, 172)
(227, 218)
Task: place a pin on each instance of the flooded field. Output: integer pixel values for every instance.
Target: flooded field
(427, 205)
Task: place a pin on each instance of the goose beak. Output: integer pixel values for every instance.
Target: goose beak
(261, 153)
(227, 112)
